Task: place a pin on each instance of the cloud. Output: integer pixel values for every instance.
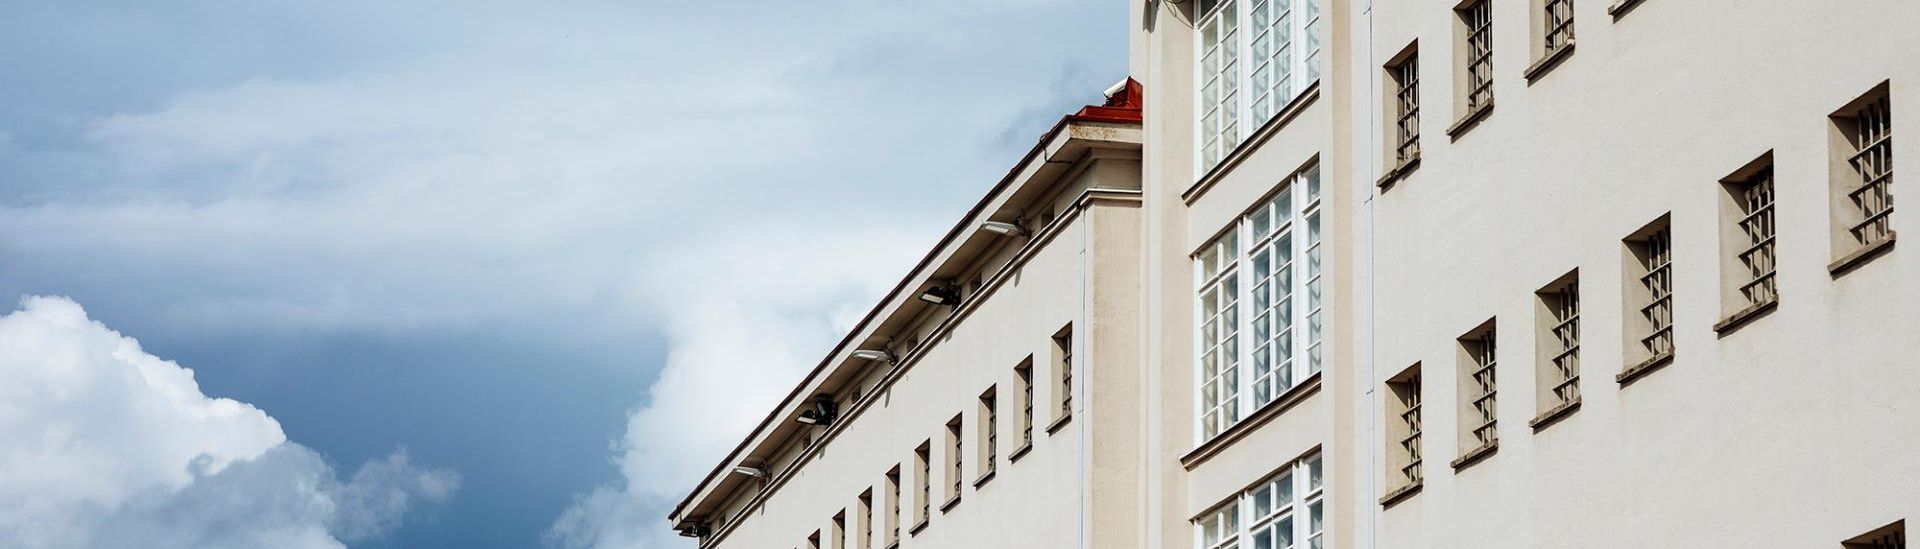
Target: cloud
(106, 445)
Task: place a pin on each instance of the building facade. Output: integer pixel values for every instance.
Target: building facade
(1300, 284)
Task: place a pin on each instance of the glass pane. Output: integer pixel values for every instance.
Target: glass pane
(1313, 473)
(1263, 502)
(1283, 533)
(1263, 540)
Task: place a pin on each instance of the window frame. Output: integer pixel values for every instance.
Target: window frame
(1289, 219)
(1559, 336)
(1238, 522)
(1647, 288)
(1862, 179)
(1749, 231)
(1479, 382)
(1257, 82)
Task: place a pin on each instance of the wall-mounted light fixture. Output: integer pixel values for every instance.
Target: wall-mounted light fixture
(1003, 228)
(750, 472)
(823, 412)
(696, 530)
(941, 295)
(873, 354)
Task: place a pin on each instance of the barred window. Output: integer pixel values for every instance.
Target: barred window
(813, 541)
(1480, 388)
(1283, 271)
(1063, 369)
(1023, 378)
(1892, 536)
(1406, 80)
(1754, 196)
(1280, 43)
(1277, 513)
(1562, 374)
(893, 506)
(866, 518)
(1658, 281)
(1559, 24)
(956, 459)
(837, 536)
(923, 465)
(1868, 191)
(1404, 431)
(1477, 22)
(989, 432)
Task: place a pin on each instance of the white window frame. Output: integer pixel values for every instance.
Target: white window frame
(1269, 53)
(1294, 503)
(1272, 321)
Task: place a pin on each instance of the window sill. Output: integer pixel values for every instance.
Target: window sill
(1851, 261)
(1645, 367)
(1286, 401)
(1475, 455)
(1554, 415)
(1020, 452)
(1548, 62)
(917, 528)
(1397, 173)
(984, 477)
(1058, 423)
(1619, 9)
(1742, 317)
(1400, 494)
(893, 544)
(1468, 122)
(950, 504)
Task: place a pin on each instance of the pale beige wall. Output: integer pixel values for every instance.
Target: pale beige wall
(1796, 419)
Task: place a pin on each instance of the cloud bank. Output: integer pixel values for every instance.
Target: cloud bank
(105, 445)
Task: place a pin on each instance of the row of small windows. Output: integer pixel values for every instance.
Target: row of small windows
(1255, 279)
(1863, 187)
(986, 438)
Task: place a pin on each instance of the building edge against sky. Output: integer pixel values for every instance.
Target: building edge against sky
(1299, 283)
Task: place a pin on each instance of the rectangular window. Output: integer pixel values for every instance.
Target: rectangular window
(1283, 233)
(1403, 430)
(955, 460)
(865, 541)
(1023, 381)
(1863, 182)
(988, 433)
(1479, 415)
(923, 484)
(893, 507)
(1476, 43)
(1404, 74)
(1747, 242)
(1281, 512)
(1557, 24)
(838, 536)
(1063, 370)
(1892, 536)
(1649, 272)
(813, 541)
(1281, 46)
(1559, 362)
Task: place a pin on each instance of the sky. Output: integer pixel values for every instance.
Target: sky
(415, 273)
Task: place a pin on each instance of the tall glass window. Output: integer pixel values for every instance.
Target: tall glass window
(1280, 44)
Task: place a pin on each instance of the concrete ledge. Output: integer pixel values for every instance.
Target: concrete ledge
(1279, 405)
(1742, 317)
(950, 504)
(984, 477)
(1400, 494)
(1620, 9)
(1645, 367)
(1849, 262)
(1475, 455)
(1397, 173)
(1020, 452)
(1548, 62)
(1554, 415)
(1468, 122)
(1062, 421)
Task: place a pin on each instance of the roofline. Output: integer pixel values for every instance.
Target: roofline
(1121, 108)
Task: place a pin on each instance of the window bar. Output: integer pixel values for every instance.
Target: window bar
(1409, 119)
(1483, 378)
(1758, 224)
(1479, 19)
(1566, 331)
(1874, 162)
(1411, 443)
(1559, 24)
(1659, 284)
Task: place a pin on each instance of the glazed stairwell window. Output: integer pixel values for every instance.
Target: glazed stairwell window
(1286, 511)
(1248, 73)
(1259, 305)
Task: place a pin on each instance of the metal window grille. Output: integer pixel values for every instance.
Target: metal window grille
(1659, 283)
(1893, 540)
(1025, 373)
(1481, 350)
(959, 458)
(1566, 337)
(1559, 27)
(1756, 222)
(1065, 341)
(1873, 160)
(990, 423)
(1479, 21)
(925, 456)
(1408, 119)
(1220, 82)
(1410, 417)
(893, 505)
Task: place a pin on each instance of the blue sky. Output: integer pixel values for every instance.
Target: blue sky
(520, 270)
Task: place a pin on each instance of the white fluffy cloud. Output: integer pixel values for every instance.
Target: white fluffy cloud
(105, 445)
